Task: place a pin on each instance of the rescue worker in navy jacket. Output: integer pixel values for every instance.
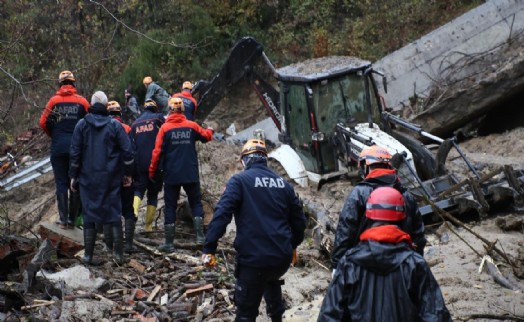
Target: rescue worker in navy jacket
(101, 162)
(127, 192)
(376, 168)
(58, 120)
(190, 103)
(143, 135)
(383, 278)
(175, 153)
(156, 93)
(270, 224)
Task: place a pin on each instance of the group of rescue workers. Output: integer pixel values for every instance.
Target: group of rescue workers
(104, 168)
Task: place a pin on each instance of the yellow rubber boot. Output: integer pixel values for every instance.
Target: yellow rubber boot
(150, 216)
(136, 205)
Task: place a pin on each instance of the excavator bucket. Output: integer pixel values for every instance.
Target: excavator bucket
(243, 55)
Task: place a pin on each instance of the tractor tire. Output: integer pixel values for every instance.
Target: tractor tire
(425, 162)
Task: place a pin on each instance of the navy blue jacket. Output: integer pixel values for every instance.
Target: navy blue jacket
(352, 220)
(143, 135)
(383, 281)
(60, 116)
(190, 104)
(175, 152)
(269, 218)
(100, 156)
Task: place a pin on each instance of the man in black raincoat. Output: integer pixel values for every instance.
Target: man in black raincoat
(99, 148)
(383, 278)
(376, 168)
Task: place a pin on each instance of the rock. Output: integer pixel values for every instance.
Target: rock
(510, 223)
(76, 277)
(67, 241)
(88, 310)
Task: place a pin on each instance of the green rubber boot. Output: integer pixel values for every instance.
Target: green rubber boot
(198, 223)
(169, 233)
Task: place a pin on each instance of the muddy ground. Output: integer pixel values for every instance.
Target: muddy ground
(453, 253)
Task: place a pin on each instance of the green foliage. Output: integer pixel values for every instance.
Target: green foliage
(110, 45)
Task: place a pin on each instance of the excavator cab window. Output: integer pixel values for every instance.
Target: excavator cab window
(298, 122)
(341, 100)
(334, 100)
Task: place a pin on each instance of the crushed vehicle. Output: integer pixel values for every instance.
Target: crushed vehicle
(328, 109)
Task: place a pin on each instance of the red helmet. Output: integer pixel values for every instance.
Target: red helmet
(385, 204)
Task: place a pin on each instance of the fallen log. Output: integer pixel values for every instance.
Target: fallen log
(188, 307)
(494, 272)
(39, 303)
(196, 291)
(180, 257)
(502, 317)
(324, 230)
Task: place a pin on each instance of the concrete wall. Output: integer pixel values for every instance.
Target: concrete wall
(414, 67)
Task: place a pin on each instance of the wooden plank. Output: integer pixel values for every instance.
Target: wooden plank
(39, 304)
(196, 291)
(154, 293)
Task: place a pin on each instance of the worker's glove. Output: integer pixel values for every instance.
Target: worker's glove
(74, 185)
(51, 121)
(209, 260)
(294, 258)
(333, 273)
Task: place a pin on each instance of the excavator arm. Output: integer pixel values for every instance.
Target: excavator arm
(239, 66)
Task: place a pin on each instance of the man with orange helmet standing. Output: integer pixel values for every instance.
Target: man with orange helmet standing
(143, 135)
(383, 278)
(58, 120)
(175, 154)
(126, 193)
(377, 171)
(156, 93)
(190, 103)
(270, 225)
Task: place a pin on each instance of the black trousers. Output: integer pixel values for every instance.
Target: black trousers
(127, 194)
(253, 284)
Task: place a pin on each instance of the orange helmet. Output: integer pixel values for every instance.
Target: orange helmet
(375, 154)
(66, 75)
(176, 105)
(113, 106)
(252, 146)
(147, 80)
(150, 104)
(187, 85)
(385, 204)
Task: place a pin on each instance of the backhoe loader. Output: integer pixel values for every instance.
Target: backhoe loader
(328, 109)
